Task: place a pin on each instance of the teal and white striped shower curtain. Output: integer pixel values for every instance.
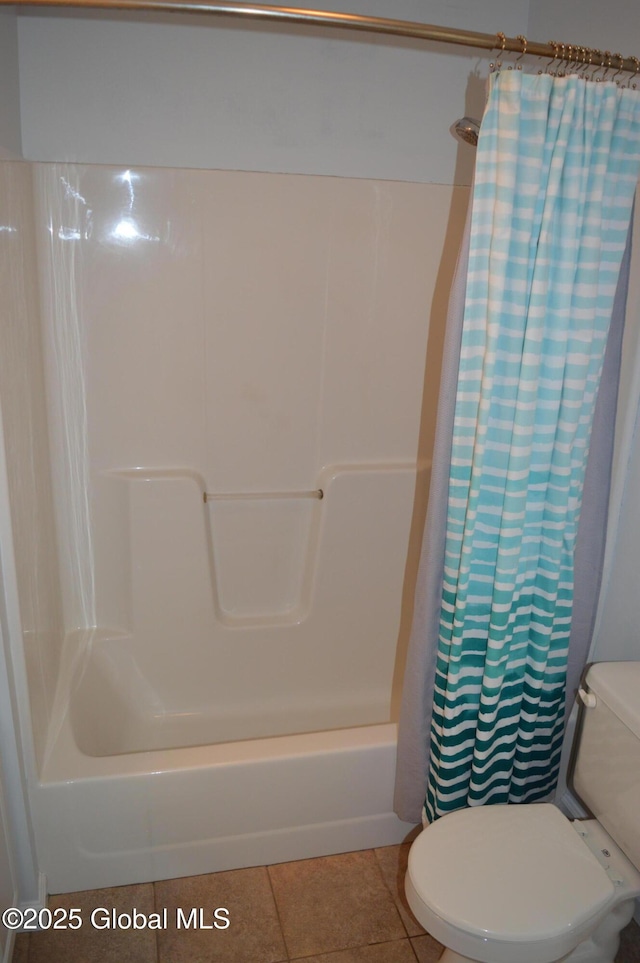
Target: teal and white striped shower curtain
(557, 165)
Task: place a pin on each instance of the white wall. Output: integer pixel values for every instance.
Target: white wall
(217, 93)
(617, 634)
(612, 26)
(10, 139)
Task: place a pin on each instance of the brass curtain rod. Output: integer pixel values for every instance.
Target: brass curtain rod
(572, 54)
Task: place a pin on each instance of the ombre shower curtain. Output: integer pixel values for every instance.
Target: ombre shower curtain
(532, 304)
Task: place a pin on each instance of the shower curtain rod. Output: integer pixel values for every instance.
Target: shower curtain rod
(572, 54)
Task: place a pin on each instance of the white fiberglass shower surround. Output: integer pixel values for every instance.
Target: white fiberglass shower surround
(212, 651)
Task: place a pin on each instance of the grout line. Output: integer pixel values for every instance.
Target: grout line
(346, 949)
(277, 909)
(155, 908)
(389, 890)
(413, 950)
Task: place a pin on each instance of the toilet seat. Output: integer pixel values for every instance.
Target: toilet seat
(512, 883)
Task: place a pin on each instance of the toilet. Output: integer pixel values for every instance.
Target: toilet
(525, 884)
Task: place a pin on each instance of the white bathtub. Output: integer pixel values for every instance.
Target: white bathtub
(112, 820)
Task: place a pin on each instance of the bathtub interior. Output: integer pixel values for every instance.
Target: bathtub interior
(191, 676)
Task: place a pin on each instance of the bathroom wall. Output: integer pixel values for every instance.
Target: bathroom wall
(617, 635)
(613, 26)
(10, 133)
(216, 93)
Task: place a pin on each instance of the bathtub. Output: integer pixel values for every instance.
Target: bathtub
(114, 819)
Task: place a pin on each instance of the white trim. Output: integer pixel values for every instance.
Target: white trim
(8, 947)
(569, 805)
(41, 899)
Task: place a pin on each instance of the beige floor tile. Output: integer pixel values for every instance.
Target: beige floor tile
(334, 903)
(629, 951)
(427, 949)
(91, 945)
(21, 948)
(254, 931)
(393, 864)
(398, 951)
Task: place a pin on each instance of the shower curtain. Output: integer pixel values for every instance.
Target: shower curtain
(558, 160)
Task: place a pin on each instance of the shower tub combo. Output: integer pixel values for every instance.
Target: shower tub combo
(223, 378)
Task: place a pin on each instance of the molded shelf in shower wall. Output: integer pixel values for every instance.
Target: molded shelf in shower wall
(257, 555)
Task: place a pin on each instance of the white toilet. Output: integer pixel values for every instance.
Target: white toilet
(524, 884)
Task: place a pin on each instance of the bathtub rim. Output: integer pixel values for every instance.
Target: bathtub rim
(65, 762)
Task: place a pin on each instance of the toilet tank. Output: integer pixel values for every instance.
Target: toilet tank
(606, 773)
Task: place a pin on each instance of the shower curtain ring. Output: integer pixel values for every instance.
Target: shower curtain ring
(556, 46)
(503, 43)
(560, 72)
(523, 41)
(596, 66)
(586, 52)
(620, 65)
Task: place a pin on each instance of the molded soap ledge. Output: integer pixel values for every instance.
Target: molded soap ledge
(242, 563)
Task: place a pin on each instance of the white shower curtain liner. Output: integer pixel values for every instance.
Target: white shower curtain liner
(417, 695)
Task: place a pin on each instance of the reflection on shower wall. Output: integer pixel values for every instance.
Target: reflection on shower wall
(219, 349)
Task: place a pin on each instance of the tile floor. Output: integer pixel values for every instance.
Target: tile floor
(348, 908)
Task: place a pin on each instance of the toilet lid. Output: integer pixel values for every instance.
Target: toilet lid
(508, 872)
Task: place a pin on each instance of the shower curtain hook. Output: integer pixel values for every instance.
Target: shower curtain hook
(560, 72)
(620, 65)
(586, 51)
(575, 53)
(556, 46)
(602, 66)
(544, 70)
(503, 42)
(581, 60)
(523, 41)
(596, 67)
